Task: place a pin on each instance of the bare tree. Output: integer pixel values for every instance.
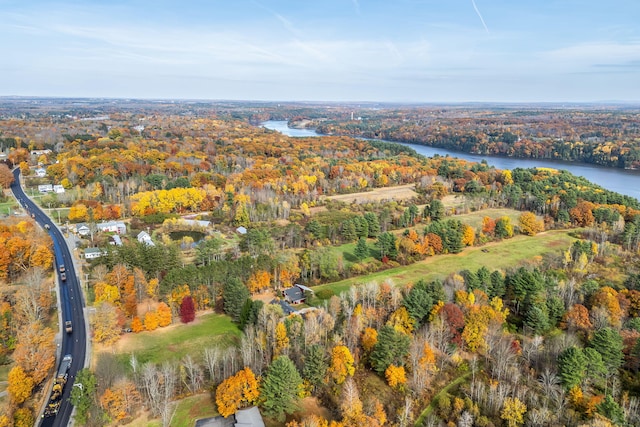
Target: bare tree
(212, 360)
(194, 376)
(405, 416)
(28, 297)
(150, 381)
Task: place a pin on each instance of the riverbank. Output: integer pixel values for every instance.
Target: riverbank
(621, 181)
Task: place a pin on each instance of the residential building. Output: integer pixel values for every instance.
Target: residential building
(249, 417)
(118, 227)
(93, 253)
(144, 238)
(295, 294)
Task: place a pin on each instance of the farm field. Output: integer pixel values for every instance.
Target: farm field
(498, 255)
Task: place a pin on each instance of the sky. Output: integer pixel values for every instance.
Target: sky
(422, 51)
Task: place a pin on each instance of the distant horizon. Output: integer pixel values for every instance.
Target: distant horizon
(406, 51)
(316, 102)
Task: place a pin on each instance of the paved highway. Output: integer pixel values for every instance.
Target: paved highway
(70, 303)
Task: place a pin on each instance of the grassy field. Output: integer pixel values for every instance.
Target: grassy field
(474, 219)
(193, 408)
(498, 255)
(398, 192)
(176, 341)
(8, 207)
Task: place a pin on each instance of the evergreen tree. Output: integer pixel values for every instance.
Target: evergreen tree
(349, 231)
(537, 319)
(497, 288)
(84, 397)
(418, 304)
(362, 249)
(572, 365)
(610, 409)
(392, 347)
(609, 344)
(436, 210)
(362, 226)
(374, 224)
(387, 245)
(234, 296)
(279, 389)
(315, 365)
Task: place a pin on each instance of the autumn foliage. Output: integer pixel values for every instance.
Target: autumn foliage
(236, 392)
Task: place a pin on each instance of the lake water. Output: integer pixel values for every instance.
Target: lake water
(619, 180)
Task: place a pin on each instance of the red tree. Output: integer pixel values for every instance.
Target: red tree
(187, 310)
(455, 319)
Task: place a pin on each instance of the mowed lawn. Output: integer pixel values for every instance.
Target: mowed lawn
(178, 340)
(497, 255)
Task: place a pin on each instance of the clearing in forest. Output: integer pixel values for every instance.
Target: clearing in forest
(400, 192)
(178, 340)
(496, 255)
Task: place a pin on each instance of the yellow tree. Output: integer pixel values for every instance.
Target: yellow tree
(529, 224)
(136, 325)
(401, 321)
(341, 364)
(259, 281)
(35, 351)
(104, 323)
(282, 340)
(468, 235)
(78, 213)
(164, 315)
(396, 376)
(20, 385)
(369, 339)
(236, 392)
(513, 411)
(151, 321)
(152, 288)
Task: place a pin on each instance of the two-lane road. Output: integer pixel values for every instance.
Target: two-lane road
(71, 303)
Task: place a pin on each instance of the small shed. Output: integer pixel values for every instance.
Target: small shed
(241, 230)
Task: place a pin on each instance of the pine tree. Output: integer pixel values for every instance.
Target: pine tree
(392, 348)
(234, 295)
(280, 388)
(315, 365)
(362, 249)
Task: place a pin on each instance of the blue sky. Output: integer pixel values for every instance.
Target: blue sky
(323, 50)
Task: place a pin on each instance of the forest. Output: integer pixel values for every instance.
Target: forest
(201, 321)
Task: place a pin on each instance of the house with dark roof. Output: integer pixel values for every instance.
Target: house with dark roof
(295, 294)
(249, 417)
(286, 307)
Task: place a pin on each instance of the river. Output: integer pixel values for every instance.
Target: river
(619, 180)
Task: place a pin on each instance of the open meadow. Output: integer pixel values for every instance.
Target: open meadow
(496, 255)
(178, 340)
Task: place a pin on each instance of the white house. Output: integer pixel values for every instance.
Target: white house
(41, 172)
(93, 253)
(144, 238)
(45, 188)
(58, 189)
(40, 152)
(112, 227)
(83, 229)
